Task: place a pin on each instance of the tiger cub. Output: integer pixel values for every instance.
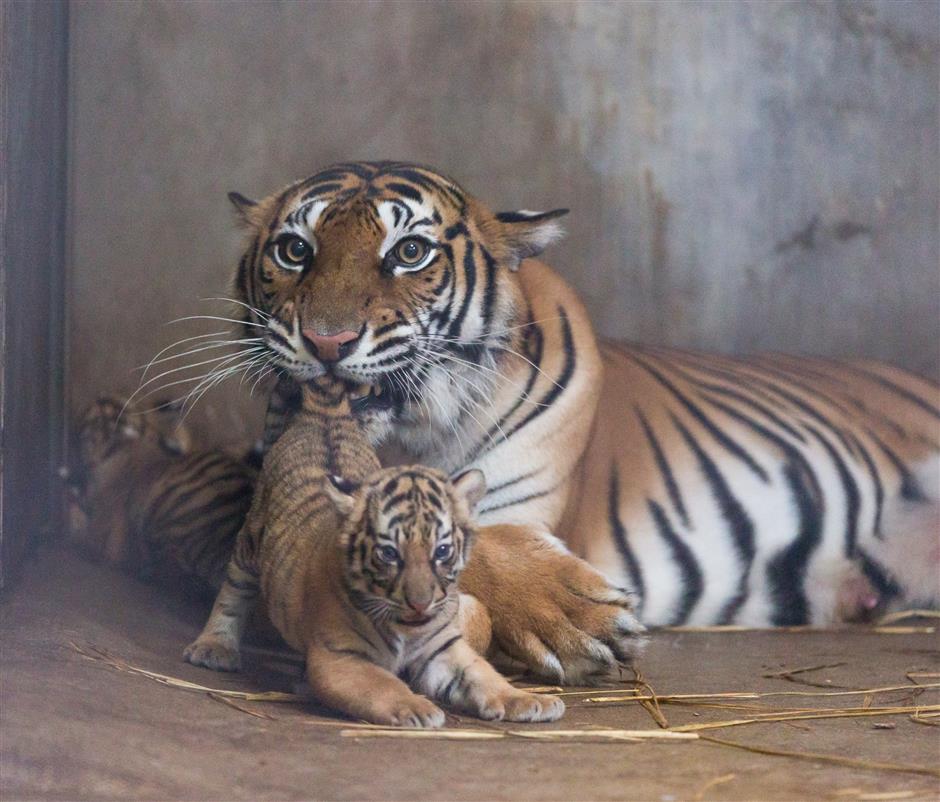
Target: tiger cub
(359, 574)
(140, 498)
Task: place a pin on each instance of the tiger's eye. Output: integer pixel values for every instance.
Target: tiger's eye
(294, 251)
(297, 250)
(410, 251)
(443, 551)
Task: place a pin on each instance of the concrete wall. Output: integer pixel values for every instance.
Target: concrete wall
(33, 82)
(742, 175)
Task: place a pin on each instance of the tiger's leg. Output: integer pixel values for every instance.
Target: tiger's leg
(359, 688)
(550, 609)
(218, 645)
(459, 678)
(475, 624)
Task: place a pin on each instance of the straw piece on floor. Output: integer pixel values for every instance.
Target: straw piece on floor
(857, 763)
(537, 735)
(901, 615)
(721, 780)
(102, 656)
(822, 714)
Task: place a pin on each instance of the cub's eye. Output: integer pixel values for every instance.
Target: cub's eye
(294, 253)
(387, 554)
(410, 252)
(443, 551)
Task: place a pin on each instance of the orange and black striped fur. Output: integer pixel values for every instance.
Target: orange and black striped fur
(357, 567)
(717, 490)
(144, 500)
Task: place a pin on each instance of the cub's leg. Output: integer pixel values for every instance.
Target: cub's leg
(359, 688)
(550, 609)
(218, 645)
(460, 678)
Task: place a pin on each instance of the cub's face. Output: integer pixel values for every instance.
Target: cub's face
(408, 538)
(381, 272)
(110, 426)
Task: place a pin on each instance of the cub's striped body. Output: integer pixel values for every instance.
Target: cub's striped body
(490, 362)
(145, 503)
(359, 574)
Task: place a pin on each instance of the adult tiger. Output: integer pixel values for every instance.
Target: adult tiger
(717, 490)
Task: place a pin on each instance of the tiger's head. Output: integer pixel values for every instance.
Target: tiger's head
(382, 272)
(406, 539)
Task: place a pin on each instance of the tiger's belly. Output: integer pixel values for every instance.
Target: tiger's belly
(755, 492)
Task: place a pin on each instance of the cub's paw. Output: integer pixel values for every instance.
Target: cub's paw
(533, 707)
(520, 706)
(413, 711)
(213, 653)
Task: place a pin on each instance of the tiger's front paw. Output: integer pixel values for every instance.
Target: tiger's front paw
(555, 613)
(214, 653)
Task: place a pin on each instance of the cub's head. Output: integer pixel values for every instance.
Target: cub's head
(110, 426)
(382, 271)
(407, 537)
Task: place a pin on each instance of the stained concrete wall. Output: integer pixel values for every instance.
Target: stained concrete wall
(742, 176)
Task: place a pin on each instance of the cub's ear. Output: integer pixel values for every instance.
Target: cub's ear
(340, 492)
(523, 234)
(245, 208)
(471, 487)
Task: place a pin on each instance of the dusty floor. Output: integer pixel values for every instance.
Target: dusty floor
(73, 728)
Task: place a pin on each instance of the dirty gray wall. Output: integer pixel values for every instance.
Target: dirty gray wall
(742, 175)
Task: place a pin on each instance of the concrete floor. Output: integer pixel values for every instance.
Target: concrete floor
(72, 728)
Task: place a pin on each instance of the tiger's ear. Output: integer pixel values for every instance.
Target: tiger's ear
(471, 487)
(245, 208)
(523, 234)
(341, 492)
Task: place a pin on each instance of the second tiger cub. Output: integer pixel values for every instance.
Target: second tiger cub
(359, 574)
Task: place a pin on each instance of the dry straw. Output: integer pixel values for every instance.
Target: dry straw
(643, 695)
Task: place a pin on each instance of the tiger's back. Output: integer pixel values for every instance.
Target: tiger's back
(757, 490)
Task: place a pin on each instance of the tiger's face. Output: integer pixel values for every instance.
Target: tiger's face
(383, 273)
(408, 536)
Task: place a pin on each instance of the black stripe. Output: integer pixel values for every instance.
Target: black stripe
(852, 498)
(727, 442)
(561, 383)
(665, 470)
(489, 289)
(740, 524)
(470, 281)
(786, 570)
(876, 482)
(903, 392)
(434, 654)
(538, 494)
(534, 355)
(692, 583)
(879, 577)
(406, 190)
(620, 539)
(910, 489)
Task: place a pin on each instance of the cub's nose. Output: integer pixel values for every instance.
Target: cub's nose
(330, 347)
(420, 607)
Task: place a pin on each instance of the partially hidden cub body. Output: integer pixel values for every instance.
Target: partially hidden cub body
(142, 499)
(357, 567)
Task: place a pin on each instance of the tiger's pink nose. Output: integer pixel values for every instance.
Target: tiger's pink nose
(328, 345)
